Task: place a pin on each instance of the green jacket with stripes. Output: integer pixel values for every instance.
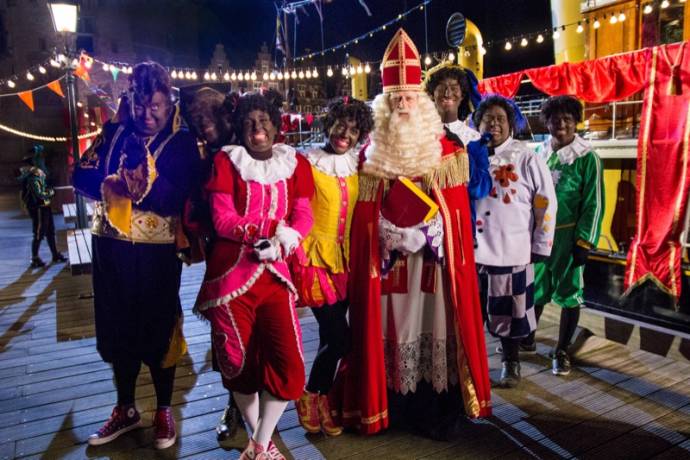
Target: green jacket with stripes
(577, 173)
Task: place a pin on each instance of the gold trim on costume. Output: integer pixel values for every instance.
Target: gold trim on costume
(643, 166)
(559, 227)
(453, 170)
(369, 187)
(469, 393)
(365, 420)
(672, 271)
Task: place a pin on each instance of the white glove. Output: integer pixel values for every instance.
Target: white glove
(412, 240)
(267, 250)
(288, 238)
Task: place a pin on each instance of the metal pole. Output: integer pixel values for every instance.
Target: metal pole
(72, 107)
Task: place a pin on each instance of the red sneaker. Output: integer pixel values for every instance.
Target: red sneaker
(273, 451)
(165, 428)
(255, 451)
(122, 420)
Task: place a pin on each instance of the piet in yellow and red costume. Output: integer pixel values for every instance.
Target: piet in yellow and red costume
(440, 279)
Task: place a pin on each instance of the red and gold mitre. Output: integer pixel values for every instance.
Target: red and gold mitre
(401, 69)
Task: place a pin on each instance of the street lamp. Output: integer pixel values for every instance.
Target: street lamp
(64, 16)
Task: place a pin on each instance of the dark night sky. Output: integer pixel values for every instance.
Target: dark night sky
(242, 25)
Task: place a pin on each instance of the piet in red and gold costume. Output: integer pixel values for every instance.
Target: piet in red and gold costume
(418, 343)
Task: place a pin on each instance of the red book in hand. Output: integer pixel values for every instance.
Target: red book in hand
(406, 205)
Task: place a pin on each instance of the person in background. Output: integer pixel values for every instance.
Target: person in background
(141, 170)
(260, 196)
(515, 226)
(454, 95)
(321, 273)
(208, 114)
(36, 196)
(577, 174)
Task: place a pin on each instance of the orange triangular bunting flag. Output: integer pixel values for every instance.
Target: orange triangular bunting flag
(56, 88)
(28, 98)
(82, 73)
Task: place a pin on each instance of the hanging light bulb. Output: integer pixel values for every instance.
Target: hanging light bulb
(483, 51)
(596, 24)
(173, 74)
(29, 76)
(648, 8)
(252, 76)
(367, 68)
(523, 42)
(344, 71)
(106, 67)
(130, 69)
(556, 35)
(293, 74)
(240, 76)
(360, 69)
(54, 63)
(188, 75)
(301, 74)
(272, 76)
(540, 38)
(621, 17)
(665, 4)
(579, 29)
(41, 69)
(308, 73)
(86, 115)
(247, 76)
(214, 77)
(352, 70)
(427, 60)
(280, 75)
(194, 75)
(11, 84)
(613, 19)
(79, 104)
(207, 76)
(226, 76)
(451, 56)
(315, 73)
(265, 76)
(508, 46)
(329, 72)
(286, 75)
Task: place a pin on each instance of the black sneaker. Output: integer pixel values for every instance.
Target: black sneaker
(229, 423)
(510, 374)
(36, 262)
(560, 364)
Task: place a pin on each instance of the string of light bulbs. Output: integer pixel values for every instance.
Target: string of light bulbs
(370, 34)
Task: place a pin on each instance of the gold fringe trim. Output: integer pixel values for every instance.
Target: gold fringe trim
(369, 187)
(454, 170)
(469, 393)
(366, 420)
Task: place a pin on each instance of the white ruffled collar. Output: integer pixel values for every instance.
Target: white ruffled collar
(571, 152)
(463, 131)
(280, 166)
(507, 153)
(333, 164)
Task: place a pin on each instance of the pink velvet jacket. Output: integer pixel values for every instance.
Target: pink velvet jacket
(248, 199)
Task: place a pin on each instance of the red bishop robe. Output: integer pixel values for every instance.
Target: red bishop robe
(360, 389)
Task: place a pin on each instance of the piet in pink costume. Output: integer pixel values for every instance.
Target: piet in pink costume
(252, 200)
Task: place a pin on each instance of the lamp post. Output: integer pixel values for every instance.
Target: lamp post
(64, 16)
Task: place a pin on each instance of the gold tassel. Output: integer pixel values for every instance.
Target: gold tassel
(369, 187)
(454, 170)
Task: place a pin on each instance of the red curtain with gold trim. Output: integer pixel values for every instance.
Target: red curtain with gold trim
(662, 170)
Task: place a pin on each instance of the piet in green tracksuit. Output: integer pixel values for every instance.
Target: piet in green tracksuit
(578, 178)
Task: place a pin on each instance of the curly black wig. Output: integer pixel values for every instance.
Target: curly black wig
(147, 78)
(561, 104)
(491, 101)
(350, 109)
(250, 102)
(457, 74)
